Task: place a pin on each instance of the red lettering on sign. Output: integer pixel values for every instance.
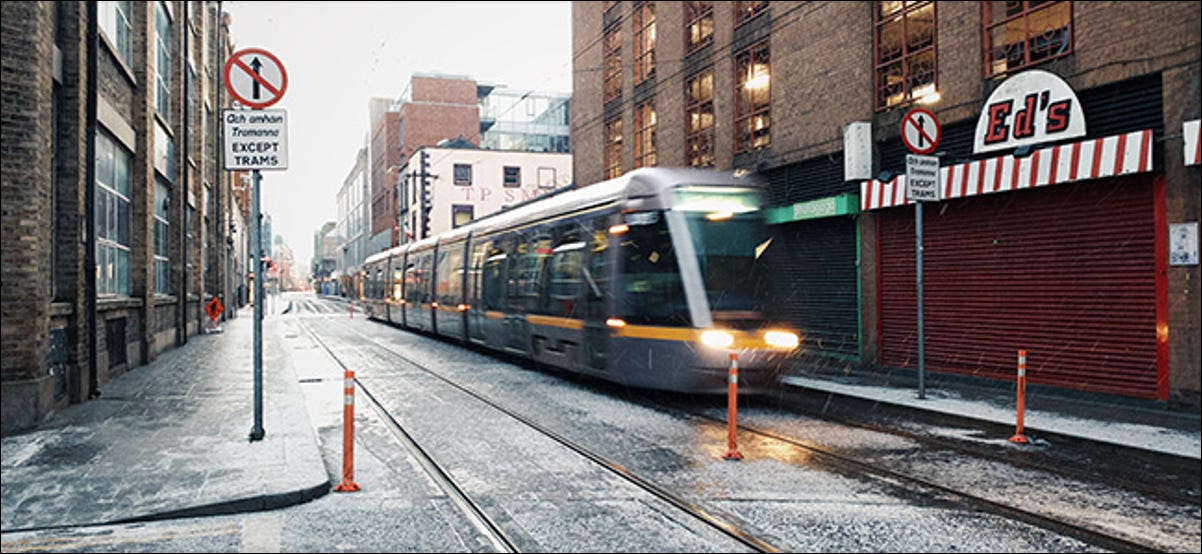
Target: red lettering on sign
(998, 130)
(1024, 119)
(1058, 115)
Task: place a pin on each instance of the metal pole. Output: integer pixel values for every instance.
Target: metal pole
(256, 231)
(922, 388)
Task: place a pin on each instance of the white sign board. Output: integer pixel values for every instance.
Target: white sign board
(1031, 107)
(857, 151)
(1183, 243)
(922, 178)
(255, 139)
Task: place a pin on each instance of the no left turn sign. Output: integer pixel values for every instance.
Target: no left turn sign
(255, 78)
(920, 131)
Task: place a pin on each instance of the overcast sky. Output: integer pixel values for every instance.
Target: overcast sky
(338, 55)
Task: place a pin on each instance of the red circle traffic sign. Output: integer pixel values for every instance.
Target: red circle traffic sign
(255, 78)
(920, 131)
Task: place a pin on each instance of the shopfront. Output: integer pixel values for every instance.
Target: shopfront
(1051, 241)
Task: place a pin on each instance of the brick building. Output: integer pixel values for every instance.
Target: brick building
(117, 218)
(1057, 242)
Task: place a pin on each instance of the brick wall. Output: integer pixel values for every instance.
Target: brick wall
(44, 214)
(26, 67)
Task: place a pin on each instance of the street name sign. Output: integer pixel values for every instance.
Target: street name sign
(255, 139)
(922, 178)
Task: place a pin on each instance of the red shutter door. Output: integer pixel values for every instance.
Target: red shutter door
(1066, 272)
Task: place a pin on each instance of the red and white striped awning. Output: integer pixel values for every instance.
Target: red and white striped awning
(1090, 159)
(1192, 132)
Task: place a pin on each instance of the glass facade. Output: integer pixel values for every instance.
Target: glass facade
(525, 120)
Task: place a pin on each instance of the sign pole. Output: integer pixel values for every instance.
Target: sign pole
(920, 132)
(257, 432)
(922, 389)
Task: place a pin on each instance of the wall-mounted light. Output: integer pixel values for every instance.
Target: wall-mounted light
(1023, 151)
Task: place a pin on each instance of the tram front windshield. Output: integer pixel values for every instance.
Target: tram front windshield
(730, 238)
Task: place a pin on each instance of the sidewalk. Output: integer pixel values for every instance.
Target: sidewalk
(1127, 423)
(170, 439)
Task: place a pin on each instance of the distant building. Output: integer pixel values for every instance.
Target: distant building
(459, 183)
(353, 221)
(436, 107)
(524, 120)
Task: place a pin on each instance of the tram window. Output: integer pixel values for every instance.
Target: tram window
(529, 277)
(398, 279)
(493, 280)
(596, 271)
(450, 275)
(565, 277)
(652, 289)
(475, 271)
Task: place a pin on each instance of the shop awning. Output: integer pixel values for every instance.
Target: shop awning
(1111, 156)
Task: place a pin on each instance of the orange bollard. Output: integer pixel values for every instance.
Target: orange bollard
(1019, 437)
(348, 434)
(352, 311)
(732, 410)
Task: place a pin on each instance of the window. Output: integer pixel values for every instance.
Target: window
(461, 215)
(652, 290)
(162, 237)
(699, 25)
(1020, 34)
(164, 151)
(613, 147)
(644, 135)
(905, 52)
(611, 80)
(513, 176)
(699, 119)
(746, 11)
(492, 285)
(546, 177)
(752, 98)
(463, 174)
(644, 42)
(528, 285)
(162, 56)
(566, 279)
(113, 223)
(113, 18)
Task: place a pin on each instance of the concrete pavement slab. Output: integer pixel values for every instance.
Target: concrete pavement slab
(170, 439)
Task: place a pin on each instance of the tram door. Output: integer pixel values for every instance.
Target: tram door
(597, 270)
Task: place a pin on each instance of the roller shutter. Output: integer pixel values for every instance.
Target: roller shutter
(816, 292)
(1066, 272)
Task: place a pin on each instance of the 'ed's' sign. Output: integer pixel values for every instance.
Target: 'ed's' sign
(1029, 108)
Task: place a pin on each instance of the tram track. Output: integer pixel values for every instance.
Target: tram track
(490, 529)
(829, 457)
(835, 459)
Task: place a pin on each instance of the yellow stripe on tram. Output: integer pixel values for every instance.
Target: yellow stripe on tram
(560, 322)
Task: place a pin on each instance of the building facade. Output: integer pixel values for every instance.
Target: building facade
(1045, 237)
(524, 120)
(117, 215)
(453, 184)
(353, 227)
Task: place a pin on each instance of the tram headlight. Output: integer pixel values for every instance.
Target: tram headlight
(782, 339)
(717, 339)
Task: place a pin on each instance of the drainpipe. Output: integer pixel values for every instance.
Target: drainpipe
(218, 181)
(90, 311)
(181, 330)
